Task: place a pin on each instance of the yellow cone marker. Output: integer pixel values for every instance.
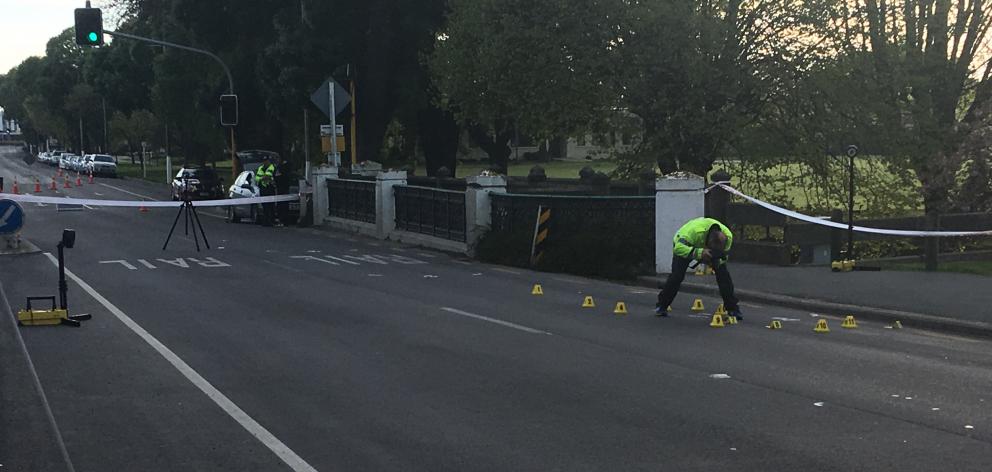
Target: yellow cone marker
(669, 308)
(730, 319)
(621, 309)
(776, 324)
(700, 270)
(697, 305)
(720, 310)
(588, 303)
(717, 322)
(821, 326)
(898, 324)
(849, 323)
(537, 290)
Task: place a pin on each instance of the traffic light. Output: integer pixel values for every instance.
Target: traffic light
(89, 26)
(229, 110)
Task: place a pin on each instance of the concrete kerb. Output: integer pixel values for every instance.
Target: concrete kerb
(909, 319)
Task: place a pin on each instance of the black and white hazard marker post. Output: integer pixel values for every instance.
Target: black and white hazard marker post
(188, 210)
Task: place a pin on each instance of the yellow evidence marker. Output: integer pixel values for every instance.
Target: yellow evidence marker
(717, 322)
(588, 302)
(776, 324)
(697, 305)
(621, 309)
(821, 326)
(849, 323)
(537, 290)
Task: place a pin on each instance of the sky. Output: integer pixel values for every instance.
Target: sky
(27, 25)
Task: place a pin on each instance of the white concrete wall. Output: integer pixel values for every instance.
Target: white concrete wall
(478, 205)
(318, 182)
(385, 201)
(677, 200)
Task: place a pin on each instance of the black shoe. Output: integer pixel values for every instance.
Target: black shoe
(659, 311)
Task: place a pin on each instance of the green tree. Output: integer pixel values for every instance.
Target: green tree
(541, 68)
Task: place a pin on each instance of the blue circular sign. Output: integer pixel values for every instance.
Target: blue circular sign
(11, 217)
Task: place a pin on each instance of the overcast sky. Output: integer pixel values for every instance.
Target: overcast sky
(27, 25)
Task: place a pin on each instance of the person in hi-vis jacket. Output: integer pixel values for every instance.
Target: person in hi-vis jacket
(703, 240)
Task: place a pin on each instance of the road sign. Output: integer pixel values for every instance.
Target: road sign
(321, 97)
(11, 217)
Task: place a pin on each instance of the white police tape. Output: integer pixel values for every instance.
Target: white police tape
(834, 224)
(147, 204)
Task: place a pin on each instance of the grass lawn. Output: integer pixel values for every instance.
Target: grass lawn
(554, 169)
(964, 267)
(156, 169)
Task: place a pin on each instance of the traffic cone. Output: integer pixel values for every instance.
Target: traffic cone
(79, 180)
(821, 326)
(716, 322)
(55, 185)
(849, 323)
(588, 302)
(776, 324)
(142, 209)
(37, 185)
(697, 305)
(730, 319)
(91, 177)
(60, 172)
(537, 290)
(621, 309)
(16, 190)
(720, 310)
(66, 183)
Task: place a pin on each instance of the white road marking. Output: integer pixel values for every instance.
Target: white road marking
(147, 264)
(719, 376)
(127, 192)
(818, 404)
(98, 194)
(342, 260)
(121, 262)
(462, 262)
(785, 319)
(494, 320)
(273, 443)
(314, 258)
(508, 271)
(281, 266)
(88, 207)
(425, 254)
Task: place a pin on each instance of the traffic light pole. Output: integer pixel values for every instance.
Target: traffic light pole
(227, 71)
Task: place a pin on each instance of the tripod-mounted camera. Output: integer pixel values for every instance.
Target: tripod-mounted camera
(189, 211)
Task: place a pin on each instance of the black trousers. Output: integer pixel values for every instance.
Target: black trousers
(679, 266)
(268, 209)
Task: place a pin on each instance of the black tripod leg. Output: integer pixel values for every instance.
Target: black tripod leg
(196, 218)
(186, 221)
(189, 216)
(173, 229)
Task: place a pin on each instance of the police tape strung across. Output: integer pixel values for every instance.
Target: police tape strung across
(834, 224)
(152, 203)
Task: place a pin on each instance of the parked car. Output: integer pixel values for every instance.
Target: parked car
(65, 161)
(244, 186)
(101, 164)
(197, 183)
(55, 158)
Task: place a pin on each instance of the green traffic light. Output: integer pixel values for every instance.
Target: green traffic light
(92, 36)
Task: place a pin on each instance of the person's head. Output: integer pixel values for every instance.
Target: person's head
(265, 160)
(715, 239)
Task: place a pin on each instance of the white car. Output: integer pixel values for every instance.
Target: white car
(65, 161)
(245, 187)
(100, 164)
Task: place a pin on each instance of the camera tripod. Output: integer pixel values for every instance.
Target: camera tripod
(192, 217)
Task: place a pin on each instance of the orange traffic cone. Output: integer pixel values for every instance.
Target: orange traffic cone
(79, 180)
(15, 190)
(67, 184)
(143, 209)
(91, 177)
(60, 172)
(37, 185)
(55, 185)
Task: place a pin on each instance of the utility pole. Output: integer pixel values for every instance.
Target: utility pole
(81, 134)
(105, 147)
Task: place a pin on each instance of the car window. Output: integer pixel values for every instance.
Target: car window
(103, 159)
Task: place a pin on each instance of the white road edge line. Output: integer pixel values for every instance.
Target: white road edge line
(494, 320)
(127, 191)
(289, 457)
(506, 271)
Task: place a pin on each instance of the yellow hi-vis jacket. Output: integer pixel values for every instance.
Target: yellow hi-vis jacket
(264, 174)
(690, 240)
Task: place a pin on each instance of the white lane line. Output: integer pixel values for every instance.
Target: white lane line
(127, 191)
(494, 320)
(341, 260)
(287, 455)
(508, 271)
(37, 384)
(462, 262)
(281, 266)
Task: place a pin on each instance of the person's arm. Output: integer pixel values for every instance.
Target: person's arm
(684, 249)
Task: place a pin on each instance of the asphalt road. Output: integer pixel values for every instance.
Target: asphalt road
(302, 349)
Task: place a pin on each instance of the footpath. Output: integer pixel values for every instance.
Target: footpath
(944, 301)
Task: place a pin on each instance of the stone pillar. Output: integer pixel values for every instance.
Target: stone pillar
(478, 205)
(318, 182)
(385, 201)
(678, 199)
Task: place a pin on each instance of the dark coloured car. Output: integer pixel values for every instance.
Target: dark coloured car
(197, 183)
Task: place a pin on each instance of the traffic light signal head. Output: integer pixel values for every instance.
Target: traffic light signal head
(229, 110)
(89, 27)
